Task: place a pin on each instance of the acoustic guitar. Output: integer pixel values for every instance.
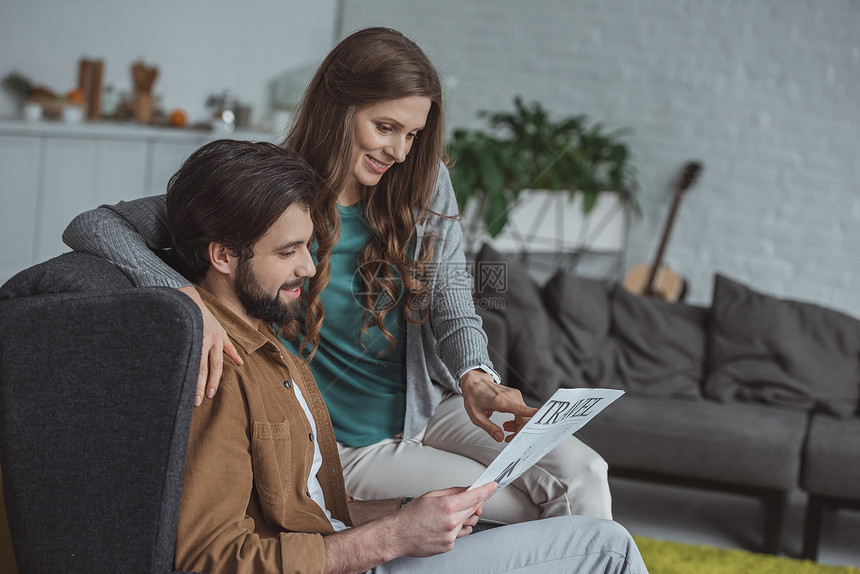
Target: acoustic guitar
(656, 280)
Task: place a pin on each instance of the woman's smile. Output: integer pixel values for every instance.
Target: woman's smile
(376, 165)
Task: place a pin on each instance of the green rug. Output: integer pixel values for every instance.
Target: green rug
(663, 557)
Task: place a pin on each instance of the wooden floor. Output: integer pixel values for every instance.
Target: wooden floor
(727, 521)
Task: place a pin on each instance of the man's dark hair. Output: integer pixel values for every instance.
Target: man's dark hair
(231, 192)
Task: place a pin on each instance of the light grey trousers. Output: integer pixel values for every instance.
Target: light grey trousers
(565, 544)
(571, 479)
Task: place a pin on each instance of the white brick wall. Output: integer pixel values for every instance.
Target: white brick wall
(766, 93)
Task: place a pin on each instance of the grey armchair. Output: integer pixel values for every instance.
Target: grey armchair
(96, 389)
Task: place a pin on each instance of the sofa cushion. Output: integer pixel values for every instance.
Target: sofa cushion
(660, 347)
(619, 340)
(531, 367)
(581, 311)
(580, 317)
(781, 352)
(739, 443)
(831, 458)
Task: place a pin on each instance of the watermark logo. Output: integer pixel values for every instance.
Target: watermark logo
(380, 300)
(492, 277)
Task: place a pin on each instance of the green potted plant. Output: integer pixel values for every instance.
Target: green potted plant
(528, 150)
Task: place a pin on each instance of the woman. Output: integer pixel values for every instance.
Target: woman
(400, 358)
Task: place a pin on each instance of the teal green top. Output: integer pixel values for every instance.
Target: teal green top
(365, 392)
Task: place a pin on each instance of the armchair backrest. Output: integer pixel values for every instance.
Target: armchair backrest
(96, 394)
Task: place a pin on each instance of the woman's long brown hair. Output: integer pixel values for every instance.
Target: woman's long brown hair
(371, 66)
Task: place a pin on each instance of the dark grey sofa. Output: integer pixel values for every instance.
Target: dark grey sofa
(754, 395)
(96, 389)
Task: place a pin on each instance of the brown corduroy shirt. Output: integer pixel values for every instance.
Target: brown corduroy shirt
(244, 502)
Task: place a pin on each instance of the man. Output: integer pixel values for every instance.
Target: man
(263, 488)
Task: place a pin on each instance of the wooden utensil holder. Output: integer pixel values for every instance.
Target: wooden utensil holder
(142, 105)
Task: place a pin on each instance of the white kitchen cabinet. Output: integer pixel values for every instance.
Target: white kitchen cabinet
(19, 166)
(82, 174)
(54, 171)
(166, 159)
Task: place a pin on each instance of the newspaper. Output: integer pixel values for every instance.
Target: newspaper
(563, 414)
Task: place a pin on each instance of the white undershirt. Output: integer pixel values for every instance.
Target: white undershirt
(314, 487)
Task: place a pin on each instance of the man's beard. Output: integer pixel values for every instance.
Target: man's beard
(259, 304)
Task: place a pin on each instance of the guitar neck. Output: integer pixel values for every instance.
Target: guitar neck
(688, 177)
(664, 242)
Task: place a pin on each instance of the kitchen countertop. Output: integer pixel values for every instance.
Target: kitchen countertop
(125, 131)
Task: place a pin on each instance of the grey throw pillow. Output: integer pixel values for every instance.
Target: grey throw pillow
(781, 352)
(580, 317)
(660, 346)
(580, 308)
(531, 367)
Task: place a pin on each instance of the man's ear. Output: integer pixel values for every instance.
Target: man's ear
(221, 259)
